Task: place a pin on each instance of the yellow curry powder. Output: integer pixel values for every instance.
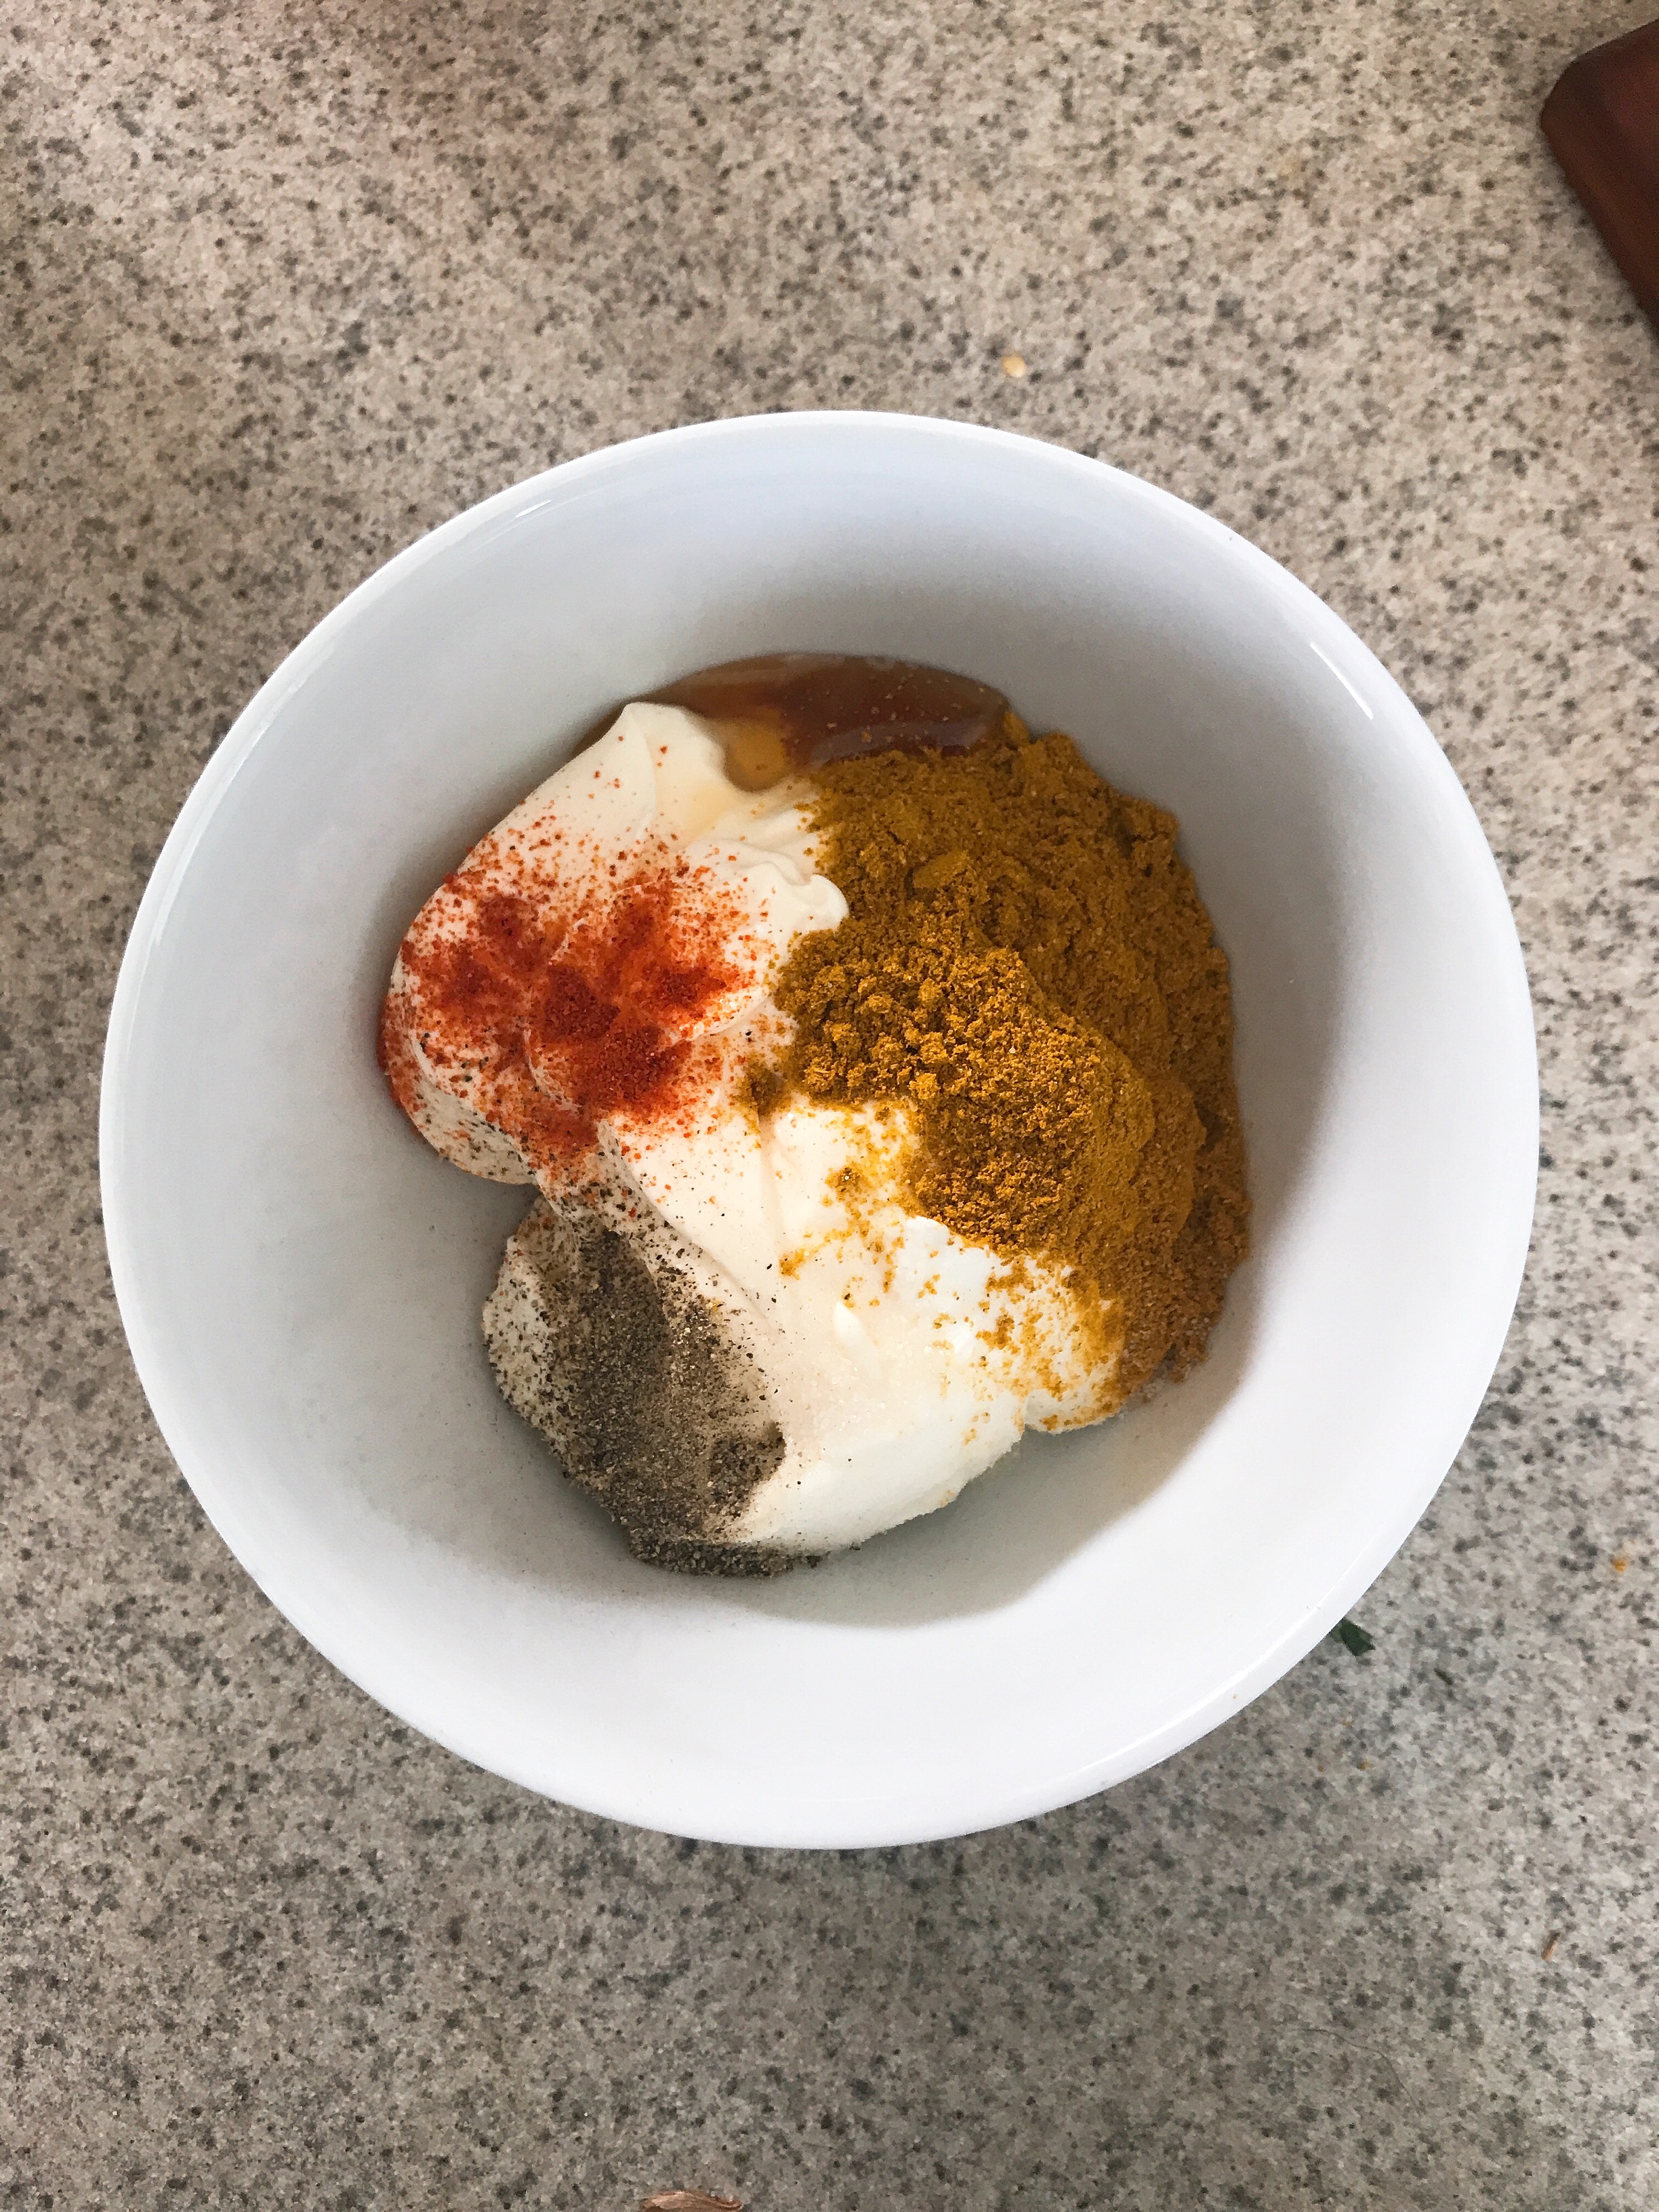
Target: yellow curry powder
(1028, 968)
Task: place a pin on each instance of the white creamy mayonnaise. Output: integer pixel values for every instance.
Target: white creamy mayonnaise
(899, 1360)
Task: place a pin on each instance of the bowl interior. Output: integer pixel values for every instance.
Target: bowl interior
(302, 1278)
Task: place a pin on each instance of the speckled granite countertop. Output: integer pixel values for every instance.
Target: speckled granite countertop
(283, 285)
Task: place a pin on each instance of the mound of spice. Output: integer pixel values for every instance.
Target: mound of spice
(554, 1011)
(1027, 968)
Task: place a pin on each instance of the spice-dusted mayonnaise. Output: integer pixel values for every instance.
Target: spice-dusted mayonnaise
(730, 1324)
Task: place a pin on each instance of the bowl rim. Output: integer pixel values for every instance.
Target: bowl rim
(1333, 641)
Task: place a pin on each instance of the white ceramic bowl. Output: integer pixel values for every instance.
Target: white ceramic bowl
(301, 1278)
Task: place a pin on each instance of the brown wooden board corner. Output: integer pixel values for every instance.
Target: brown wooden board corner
(1602, 121)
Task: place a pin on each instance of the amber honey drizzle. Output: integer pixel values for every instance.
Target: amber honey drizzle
(783, 711)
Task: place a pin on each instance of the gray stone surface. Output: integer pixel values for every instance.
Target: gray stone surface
(284, 284)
